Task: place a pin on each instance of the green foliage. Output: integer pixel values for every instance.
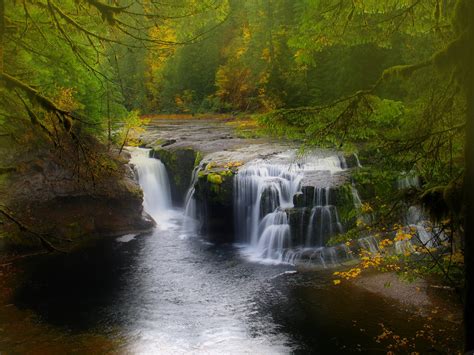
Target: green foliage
(131, 129)
(351, 234)
(362, 120)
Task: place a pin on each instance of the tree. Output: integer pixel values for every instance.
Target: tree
(71, 44)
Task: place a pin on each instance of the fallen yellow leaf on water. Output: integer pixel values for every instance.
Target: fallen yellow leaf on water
(336, 282)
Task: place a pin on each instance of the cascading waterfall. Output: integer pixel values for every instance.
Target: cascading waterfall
(263, 195)
(324, 220)
(416, 221)
(356, 197)
(274, 236)
(260, 191)
(153, 179)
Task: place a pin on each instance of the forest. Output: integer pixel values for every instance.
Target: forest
(328, 141)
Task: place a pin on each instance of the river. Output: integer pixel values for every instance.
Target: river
(172, 292)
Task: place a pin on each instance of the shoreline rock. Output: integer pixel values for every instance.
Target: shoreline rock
(55, 203)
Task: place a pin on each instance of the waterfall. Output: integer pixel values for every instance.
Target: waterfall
(408, 180)
(324, 220)
(191, 212)
(364, 217)
(274, 236)
(356, 197)
(356, 157)
(427, 234)
(262, 194)
(369, 243)
(153, 179)
(260, 191)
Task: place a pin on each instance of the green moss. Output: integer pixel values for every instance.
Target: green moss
(197, 159)
(226, 173)
(214, 178)
(215, 188)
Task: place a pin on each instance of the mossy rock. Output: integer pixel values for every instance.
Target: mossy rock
(215, 185)
(214, 193)
(180, 163)
(214, 178)
(198, 158)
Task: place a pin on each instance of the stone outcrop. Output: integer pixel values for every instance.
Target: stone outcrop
(49, 197)
(214, 198)
(179, 163)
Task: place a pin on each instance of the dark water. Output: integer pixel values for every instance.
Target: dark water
(163, 293)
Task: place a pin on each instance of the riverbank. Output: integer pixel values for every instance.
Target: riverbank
(426, 297)
(53, 198)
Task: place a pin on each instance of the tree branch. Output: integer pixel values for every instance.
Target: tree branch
(44, 242)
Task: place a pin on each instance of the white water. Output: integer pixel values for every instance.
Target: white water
(356, 197)
(154, 182)
(408, 180)
(260, 190)
(324, 219)
(191, 212)
(263, 190)
(426, 234)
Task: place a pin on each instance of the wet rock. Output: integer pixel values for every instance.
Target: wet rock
(298, 219)
(352, 161)
(168, 142)
(270, 200)
(311, 196)
(214, 198)
(305, 197)
(179, 163)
